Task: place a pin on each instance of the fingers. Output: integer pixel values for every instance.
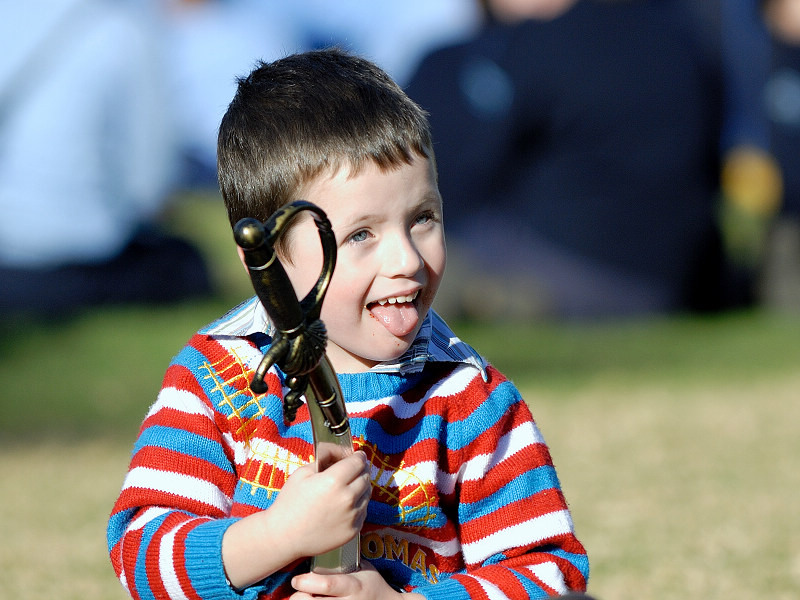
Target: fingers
(324, 585)
(328, 453)
(365, 584)
(350, 467)
(353, 473)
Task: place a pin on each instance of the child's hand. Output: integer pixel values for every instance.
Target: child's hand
(313, 513)
(366, 584)
(325, 509)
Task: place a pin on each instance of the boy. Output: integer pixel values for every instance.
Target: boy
(452, 487)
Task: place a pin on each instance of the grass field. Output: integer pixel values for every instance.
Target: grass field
(676, 441)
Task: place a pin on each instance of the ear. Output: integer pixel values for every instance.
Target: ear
(240, 252)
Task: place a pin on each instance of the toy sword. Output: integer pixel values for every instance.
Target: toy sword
(298, 348)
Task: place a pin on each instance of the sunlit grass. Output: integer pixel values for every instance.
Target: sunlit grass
(682, 493)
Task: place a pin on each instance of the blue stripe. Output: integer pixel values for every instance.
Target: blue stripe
(447, 588)
(524, 485)
(580, 561)
(429, 427)
(116, 526)
(183, 442)
(142, 583)
(250, 494)
(489, 412)
(532, 589)
(430, 517)
(457, 434)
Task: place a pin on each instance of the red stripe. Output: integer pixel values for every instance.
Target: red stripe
(161, 459)
(501, 474)
(199, 424)
(152, 567)
(515, 513)
(506, 581)
(148, 497)
(474, 589)
(130, 551)
(182, 378)
(179, 562)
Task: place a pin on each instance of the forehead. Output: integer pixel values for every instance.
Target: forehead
(372, 189)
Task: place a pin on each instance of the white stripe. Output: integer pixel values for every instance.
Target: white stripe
(446, 482)
(179, 400)
(452, 385)
(400, 408)
(456, 383)
(124, 581)
(549, 574)
(420, 473)
(522, 436)
(166, 566)
(492, 591)
(355, 409)
(240, 448)
(178, 484)
(529, 532)
(146, 516)
(270, 453)
(416, 474)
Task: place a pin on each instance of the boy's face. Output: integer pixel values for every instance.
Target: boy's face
(391, 257)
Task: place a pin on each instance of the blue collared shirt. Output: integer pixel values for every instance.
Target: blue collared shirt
(435, 341)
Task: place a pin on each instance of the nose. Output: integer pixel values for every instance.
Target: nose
(400, 256)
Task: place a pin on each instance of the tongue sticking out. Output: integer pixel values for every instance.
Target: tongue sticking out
(399, 319)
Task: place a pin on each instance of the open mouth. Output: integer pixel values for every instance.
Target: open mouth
(397, 313)
(395, 300)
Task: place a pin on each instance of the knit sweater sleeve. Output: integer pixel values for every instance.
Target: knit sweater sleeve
(516, 531)
(165, 531)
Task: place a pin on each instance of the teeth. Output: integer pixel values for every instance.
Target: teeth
(398, 299)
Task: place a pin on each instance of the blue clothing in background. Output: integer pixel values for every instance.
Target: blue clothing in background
(582, 153)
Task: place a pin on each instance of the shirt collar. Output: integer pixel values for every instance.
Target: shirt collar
(435, 341)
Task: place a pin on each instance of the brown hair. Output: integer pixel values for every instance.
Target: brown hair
(306, 114)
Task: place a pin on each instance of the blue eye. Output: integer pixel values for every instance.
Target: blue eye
(359, 236)
(424, 217)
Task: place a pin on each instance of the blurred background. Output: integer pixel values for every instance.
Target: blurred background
(638, 156)
(621, 182)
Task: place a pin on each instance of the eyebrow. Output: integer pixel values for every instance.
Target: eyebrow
(428, 198)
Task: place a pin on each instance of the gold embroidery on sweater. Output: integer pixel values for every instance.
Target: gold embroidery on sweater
(375, 546)
(268, 465)
(398, 486)
(268, 468)
(231, 373)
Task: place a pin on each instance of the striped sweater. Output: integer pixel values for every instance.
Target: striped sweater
(465, 500)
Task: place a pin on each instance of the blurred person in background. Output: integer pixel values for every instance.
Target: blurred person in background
(86, 163)
(751, 179)
(395, 34)
(207, 43)
(782, 95)
(780, 285)
(580, 150)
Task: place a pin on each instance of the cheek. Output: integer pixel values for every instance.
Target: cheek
(349, 284)
(304, 268)
(302, 280)
(435, 255)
